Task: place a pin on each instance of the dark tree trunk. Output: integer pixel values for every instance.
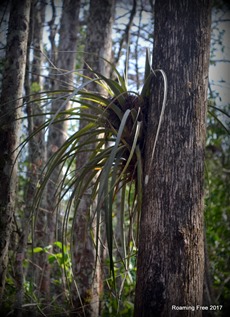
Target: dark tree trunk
(171, 244)
(36, 145)
(10, 109)
(4, 18)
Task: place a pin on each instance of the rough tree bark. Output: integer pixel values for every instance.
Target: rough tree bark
(11, 101)
(98, 46)
(4, 18)
(36, 149)
(170, 265)
(63, 77)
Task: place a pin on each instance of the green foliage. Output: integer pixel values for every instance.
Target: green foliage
(59, 254)
(120, 303)
(217, 214)
(35, 87)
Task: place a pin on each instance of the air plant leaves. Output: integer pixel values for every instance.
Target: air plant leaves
(113, 138)
(220, 121)
(159, 122)
(215, 116)
(145, 92)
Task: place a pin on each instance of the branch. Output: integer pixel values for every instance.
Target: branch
(125, 36)
(137, 50)
(219, 61)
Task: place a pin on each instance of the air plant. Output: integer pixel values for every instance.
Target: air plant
(114, 138)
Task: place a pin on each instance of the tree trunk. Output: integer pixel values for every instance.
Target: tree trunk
(36, 151)
(11, 102)
(4, 18)
(63, 78)
(89, 283)
(171, 243)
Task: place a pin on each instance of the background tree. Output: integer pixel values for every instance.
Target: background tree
(4, 18)
(62, 76)
(86, 271)
(11, 100)
(170, 264)
(36, 145)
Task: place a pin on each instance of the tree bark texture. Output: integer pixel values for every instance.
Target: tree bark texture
(98, 46)
(98, 38)
(12, 85)
(4, 18)
(36, 148)
(63, 78)
(171, 243)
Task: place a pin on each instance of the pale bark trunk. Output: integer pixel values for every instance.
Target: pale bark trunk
(12, 86)
(36, 145)
(170, 265)
(98, 45)
(35, 158)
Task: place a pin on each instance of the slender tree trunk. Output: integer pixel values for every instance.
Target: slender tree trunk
(4, 18)
(36, 152)
(171, 243)
(12, 85)
(63, 78)
(86, 298)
